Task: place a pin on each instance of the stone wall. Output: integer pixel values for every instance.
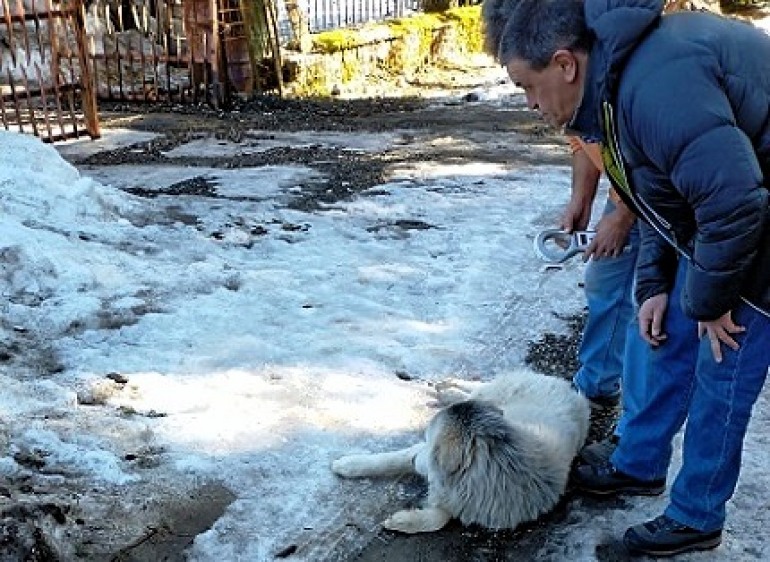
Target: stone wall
(379, 57)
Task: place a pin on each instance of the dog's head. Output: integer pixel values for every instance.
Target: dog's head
(483, 467)
(461, 432)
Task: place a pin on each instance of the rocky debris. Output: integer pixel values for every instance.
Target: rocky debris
(556, 354)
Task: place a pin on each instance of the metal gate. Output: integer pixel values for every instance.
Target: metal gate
(180, 51)
(45, 79)
(58, 57)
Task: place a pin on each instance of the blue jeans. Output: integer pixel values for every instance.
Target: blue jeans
(715, 398)
(612, 353)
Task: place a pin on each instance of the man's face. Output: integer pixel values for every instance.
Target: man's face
(554, 91)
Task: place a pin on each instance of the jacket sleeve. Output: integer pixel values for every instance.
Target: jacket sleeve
(655, 266)
(710, 166)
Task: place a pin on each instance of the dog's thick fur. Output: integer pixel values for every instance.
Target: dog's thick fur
(499, 455)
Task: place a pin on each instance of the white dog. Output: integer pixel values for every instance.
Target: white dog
(499, 455)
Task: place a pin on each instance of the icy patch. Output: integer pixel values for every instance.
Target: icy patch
(111, 139)
(258, 141)
(250, 183)
(83, 456)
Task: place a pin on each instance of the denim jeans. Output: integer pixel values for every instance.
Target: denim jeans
(716, 399)
(612, 354)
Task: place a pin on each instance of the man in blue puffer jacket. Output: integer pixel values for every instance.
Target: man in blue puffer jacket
(681, 104)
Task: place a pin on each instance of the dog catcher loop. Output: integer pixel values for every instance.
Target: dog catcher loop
(557, 246)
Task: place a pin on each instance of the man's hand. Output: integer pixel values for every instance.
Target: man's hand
(611, 235)
(720, 331)
(651, 315)
(576, 215)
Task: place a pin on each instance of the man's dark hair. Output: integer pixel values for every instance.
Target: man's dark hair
(494, 16)
(536, 29)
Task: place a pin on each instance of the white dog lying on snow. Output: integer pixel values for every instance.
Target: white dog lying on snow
(499, 455)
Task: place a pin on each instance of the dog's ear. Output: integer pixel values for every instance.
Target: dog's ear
(453, 449)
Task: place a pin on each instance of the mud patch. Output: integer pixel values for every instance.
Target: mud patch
(178, 525)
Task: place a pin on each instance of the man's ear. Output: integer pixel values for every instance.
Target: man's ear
(567, 63)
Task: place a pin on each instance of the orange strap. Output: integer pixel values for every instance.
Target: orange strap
(594, 152)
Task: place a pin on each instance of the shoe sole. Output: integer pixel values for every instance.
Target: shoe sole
(705, 545)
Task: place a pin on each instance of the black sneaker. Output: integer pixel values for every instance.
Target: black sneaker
(605, 480)
(599, 452)
(665, 537)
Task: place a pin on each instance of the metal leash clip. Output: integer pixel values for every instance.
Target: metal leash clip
(557, 246)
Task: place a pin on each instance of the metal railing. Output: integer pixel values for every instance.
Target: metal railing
(45, 84)
(332, 14)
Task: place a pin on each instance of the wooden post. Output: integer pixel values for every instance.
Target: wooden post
(88, 94)
(200, 21)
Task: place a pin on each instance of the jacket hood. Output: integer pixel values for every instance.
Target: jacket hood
(617, 27)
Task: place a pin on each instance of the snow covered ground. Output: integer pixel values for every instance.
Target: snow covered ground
(240, 342)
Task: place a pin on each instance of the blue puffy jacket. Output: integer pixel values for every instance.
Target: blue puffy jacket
(691, 99)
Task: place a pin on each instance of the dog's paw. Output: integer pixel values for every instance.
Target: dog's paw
(405, 521)
(351, 466)
(413, 521)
